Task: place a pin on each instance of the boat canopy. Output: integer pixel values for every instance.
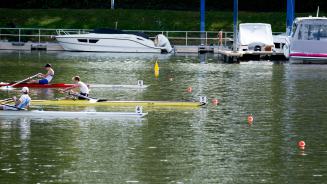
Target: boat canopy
(250, 33)
(117, 31)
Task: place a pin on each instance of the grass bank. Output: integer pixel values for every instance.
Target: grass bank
(134, 19)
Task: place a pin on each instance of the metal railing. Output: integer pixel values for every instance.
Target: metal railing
(187, 38)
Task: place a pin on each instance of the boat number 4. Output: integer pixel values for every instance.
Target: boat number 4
(138, 109)
(203, 99)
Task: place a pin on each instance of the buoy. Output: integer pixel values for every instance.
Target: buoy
(156, 70)
(156, 66)
(301, 144)
(156, 74)
(189, 89)
(250, 119)
(215, 101)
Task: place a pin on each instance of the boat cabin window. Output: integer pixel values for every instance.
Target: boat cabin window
(313, 32)
(294, 27)
(93, 40)
(82, 40)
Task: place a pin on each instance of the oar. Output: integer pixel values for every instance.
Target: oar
(11, 86)
(5, 100)
(92, 100)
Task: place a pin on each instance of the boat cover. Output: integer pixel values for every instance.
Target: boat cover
(255, 33)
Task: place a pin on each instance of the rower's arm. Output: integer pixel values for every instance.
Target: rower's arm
(47, 74)
(17, 101)
(69, 88)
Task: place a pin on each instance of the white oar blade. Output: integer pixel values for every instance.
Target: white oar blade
(6, 88)
(93, 100)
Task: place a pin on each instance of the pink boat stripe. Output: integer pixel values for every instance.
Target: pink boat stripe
(301, 54)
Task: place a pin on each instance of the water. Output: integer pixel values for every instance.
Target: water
(206, 145)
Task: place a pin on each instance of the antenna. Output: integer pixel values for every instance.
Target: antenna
(317, 12)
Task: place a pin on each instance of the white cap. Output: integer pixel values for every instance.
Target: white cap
(25, 90)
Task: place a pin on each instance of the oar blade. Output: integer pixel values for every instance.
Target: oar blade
(93, 100)
(6, 88)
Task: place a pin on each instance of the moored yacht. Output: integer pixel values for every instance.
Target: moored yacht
(109, 40)
(308, 41)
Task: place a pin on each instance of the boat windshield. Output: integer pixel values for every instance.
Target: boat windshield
(313, 32)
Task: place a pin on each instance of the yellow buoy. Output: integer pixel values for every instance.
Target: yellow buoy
(156, 66)
(156, 70)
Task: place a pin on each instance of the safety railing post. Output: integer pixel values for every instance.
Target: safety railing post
(225, 39)
(186, 38)
(39, 35)
(206, 38)
(19, 35)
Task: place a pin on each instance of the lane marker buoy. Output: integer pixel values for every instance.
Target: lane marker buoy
(250, 119)
(301, 144)
(215, 101)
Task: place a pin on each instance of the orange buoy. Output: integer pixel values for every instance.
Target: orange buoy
(250, 119)
(301, 144)
(215, 101)
(189, 89)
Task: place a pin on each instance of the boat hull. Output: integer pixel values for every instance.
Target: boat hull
(70, 114)
(58, 85)
(115, 103)
(308, 58)
(108, 43)
(63, 85)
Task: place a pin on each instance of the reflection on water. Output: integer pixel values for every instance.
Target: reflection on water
(213, 144)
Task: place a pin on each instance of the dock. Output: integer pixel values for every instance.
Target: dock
(54, 46)
(216, 42)
(230, 56)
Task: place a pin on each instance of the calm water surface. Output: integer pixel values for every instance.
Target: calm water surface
(214, 144)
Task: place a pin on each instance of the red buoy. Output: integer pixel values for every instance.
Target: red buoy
(215, 101)
(250, 119)
(301, 144)
(189, 89)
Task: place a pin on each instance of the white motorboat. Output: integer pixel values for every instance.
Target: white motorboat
(308, 41)
(108, 40)
(255, 37)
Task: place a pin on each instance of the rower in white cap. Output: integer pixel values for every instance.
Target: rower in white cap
(20, 104)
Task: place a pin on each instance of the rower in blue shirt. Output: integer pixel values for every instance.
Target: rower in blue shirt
(20, 104)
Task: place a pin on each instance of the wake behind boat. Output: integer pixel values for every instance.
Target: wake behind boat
(110, 40)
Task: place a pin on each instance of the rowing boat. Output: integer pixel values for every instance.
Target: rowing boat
(57, 85)
(71, 114)
(64, 85)
(116, 103)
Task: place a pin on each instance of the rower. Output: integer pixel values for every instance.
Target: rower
(20, 104)
(83, 89)
(46, 78)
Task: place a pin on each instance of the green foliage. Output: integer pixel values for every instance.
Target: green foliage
(133, 19)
